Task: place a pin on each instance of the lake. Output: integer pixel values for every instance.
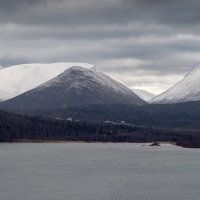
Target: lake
(95, 171)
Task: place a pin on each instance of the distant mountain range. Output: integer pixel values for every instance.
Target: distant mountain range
(76, 86)
(74, 102)
(63, 85)
(188, 89)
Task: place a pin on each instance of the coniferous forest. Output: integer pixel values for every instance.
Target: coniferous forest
(16, 128)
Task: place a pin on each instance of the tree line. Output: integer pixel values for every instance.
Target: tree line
(15, 127)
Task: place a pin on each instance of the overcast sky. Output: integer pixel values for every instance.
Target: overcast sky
(147, 44)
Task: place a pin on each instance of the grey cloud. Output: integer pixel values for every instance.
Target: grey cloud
(177, 12)
(14, 5)
(11, 60)
(172, 12)
(163, 35)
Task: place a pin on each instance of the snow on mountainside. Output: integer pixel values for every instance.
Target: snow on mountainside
(18, 79)
(143, 94)
(76, 86)
(188, 89)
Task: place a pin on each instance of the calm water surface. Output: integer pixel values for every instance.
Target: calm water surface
(79, 171)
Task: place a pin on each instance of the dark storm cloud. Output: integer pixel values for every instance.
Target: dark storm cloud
(93, 11)
(179, 12)
(143, 38)
(12, 6)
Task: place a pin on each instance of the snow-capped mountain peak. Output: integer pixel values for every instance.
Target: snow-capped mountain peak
(188, 89)
(76, 86)
(18, 79)
(89, 74)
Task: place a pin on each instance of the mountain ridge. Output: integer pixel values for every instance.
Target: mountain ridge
(74, 87)
(18, 79)
(187, 89)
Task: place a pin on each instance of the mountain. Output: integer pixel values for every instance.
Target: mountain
(188, 89)
(18, 79)
(76, 86)
(143, 94)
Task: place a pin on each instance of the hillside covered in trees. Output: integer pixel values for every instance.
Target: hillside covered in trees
(181, 115)
(14, 127)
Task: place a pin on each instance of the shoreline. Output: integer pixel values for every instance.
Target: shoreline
(150, 144)
(63, 141)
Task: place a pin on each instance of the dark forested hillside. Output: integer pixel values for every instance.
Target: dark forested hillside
(15, 127)
(182, 115)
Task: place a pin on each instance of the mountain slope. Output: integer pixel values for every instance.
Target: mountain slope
(143, 94)
(188, 89)
(18, 79)
(76, 86)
